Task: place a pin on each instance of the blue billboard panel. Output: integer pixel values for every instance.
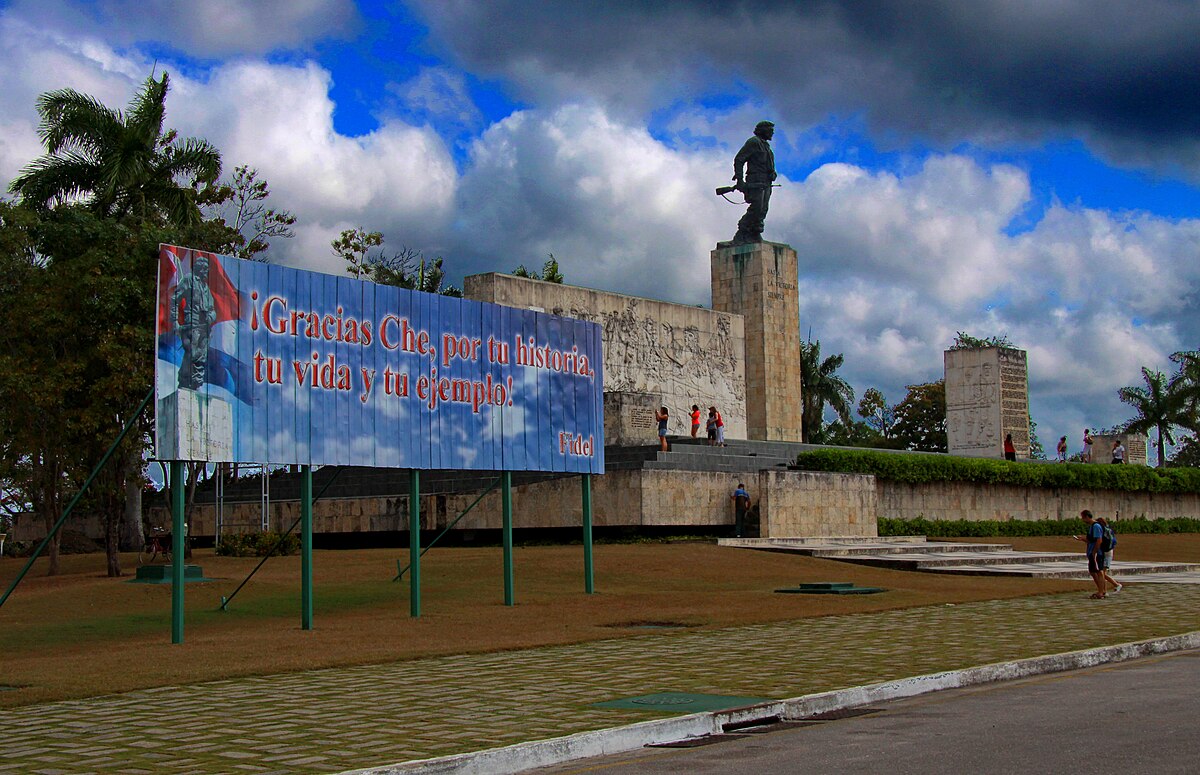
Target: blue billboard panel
(265, 364)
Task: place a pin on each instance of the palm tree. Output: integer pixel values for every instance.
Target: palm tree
(1158, 407)
(117, 163)
(821, 386)
(1185, 384)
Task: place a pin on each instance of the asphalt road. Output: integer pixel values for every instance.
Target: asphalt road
(1133, 717)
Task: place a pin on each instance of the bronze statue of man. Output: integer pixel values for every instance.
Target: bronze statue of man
(758, 160)
(193, 301)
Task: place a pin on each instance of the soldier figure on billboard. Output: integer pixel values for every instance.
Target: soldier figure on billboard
(192, 303)
(758, 160)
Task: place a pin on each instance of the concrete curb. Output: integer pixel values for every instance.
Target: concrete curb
(542, 753)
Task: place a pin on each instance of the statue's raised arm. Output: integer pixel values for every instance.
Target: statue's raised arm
(753, 175)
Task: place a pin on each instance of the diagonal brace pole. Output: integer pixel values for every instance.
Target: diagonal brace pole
(225, 601)
(457, 519)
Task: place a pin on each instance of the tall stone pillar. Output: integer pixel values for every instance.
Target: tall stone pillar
(987, 398)
(759, 282)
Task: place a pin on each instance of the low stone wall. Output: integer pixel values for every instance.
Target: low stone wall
(809, 503)
(790, 503)
(964, 500)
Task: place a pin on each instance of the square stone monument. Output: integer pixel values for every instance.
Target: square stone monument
(759, 282)
(987, 396)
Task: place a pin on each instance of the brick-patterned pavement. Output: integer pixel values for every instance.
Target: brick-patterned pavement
(332, 720)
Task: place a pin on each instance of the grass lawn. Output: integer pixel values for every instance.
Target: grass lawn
(81, 634)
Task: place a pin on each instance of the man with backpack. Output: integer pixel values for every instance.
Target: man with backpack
(1109, 541)
(1095, 552)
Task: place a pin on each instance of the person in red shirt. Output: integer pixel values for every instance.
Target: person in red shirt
(695, 420)
(1010, 450)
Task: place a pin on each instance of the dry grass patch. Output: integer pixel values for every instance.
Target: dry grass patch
(82, 634)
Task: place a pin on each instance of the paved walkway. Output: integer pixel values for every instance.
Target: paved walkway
(332, 720)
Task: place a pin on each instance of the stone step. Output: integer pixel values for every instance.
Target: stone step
(923, 549)
(1076, 569)
(970, 559)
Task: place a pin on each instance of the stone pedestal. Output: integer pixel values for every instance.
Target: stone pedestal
(629, 418)
(759, 282)
(194, 426)
(987, 397)
(1136, 448)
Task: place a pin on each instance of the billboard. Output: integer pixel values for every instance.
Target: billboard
(258, 363)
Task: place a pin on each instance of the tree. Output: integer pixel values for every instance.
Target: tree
(240, 204)
(921, 418)
(75, 357)
(820, 385)
(78, 260)
(550, 273)
(1185, 386)
(1036, 450)
(354, 246)
(875, 410)
(1158, 408)
(118, 164)
(1187, 453)
(964, 341)
(367, 259)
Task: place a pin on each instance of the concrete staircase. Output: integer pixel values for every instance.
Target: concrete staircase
(915, 553)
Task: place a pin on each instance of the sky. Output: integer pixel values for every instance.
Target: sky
(1021, 168)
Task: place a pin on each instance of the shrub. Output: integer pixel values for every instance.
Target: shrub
(914, 468)
(257, 544)
(988, 528)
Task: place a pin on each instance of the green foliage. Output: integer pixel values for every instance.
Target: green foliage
(964, 341)
(550, 273)
(822, 386)
(118, 164)
(1036, 451)
(1013, 528)
(257, 544)
(1161, 405)
(921, 418)
(366, 259)
(240, 205)
(1186, 454)
(922, 469)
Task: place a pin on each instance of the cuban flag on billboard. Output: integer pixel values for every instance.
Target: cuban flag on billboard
(224, 370)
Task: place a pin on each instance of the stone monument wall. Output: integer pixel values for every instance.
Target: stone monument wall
(1136, 448)
(683, 355)
(987, 396)
(759, 281)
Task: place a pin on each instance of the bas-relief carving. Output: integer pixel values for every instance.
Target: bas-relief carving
(971, 395)
(687, 355)
(684, 364)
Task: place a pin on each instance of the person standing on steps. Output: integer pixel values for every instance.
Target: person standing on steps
(1087, 445)
(1010, 450)
(720, 428)
(711, 426)
(661, 418)
(1062, 450)
(695, 420)
(1118, 452)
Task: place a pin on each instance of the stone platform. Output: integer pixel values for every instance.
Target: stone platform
(915, 553)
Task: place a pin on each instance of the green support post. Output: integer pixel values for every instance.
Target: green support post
(177, 528)
(414, 543)
(589, 583)
(306, 564)
(506, 500)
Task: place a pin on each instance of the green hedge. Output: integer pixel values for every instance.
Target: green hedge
(958, 528)
(256, 544)
(913, 468)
